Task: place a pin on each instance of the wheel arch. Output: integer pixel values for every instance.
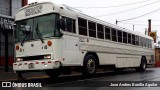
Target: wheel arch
(94, 54)
(143, 56)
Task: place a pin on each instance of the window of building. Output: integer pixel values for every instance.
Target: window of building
(114, 34)
(82, 26)
(92, 29)
(107, 33)
(133, 39)
(100, 31)
(70, 25)
(119, 36)
(129, 38)
(124, 37)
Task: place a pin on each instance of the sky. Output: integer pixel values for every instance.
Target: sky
(120, 10)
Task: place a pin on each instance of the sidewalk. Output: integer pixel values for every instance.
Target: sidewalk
(4, 76)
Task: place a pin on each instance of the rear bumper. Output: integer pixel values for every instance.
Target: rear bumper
(36, 65)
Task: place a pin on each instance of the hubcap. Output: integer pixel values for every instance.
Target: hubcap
(144, 66)
(91, 66)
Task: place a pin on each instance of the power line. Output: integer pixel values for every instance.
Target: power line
(141, 24)
(116, 5)
(128, 9)
(144, 21)
(140, 15)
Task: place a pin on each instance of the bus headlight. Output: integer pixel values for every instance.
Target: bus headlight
(47, 57)
(19, 59)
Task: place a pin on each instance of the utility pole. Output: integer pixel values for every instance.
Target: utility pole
(133, 27)
(116, 22)
(149, 26)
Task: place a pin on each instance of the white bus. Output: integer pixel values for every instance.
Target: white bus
(57, 38)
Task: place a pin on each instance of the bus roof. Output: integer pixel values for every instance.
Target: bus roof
(50, 7)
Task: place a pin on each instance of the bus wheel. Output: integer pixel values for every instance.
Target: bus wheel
(142, 66)
(89, 65)
(53, 73)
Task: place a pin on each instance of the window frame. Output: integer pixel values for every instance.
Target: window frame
(92, 29)
(84, 29)
(100, 31)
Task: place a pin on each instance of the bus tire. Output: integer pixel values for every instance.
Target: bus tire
(89, 65)
(53, 73)
(142, 66)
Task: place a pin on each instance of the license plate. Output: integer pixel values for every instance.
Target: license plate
(31, 65)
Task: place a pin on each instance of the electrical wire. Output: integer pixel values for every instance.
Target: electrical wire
(128, 10)
(144, 21)
(116, 5)
(140, 24)
(140, 15)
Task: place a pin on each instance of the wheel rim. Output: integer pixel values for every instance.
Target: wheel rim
(91, 66)
(144, 65)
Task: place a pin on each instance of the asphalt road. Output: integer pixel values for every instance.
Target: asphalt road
(101, 81)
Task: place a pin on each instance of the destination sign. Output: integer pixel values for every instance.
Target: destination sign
(33, 10)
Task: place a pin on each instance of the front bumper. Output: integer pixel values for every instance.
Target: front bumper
(36, 65)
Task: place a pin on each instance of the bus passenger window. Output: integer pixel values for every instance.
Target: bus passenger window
(100, 31)
(124, 37)
(129, 38)
(141, 41)
(150, 44)
(70, 25)
(144, 42)
(92, 29)
(82, 26)
(119, 36)
(107, 33)
(114, 35)
(137, 40)
(133, 39)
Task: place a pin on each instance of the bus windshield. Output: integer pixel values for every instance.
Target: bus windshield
(46, 26)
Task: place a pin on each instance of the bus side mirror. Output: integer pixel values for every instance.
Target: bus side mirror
(62, 23)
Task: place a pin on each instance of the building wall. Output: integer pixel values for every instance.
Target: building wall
(16, 4)
(8, 9)
(157, 57)
(157, 54)
(5, 8)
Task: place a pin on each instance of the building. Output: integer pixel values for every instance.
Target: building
(157, 56)
(8, 8)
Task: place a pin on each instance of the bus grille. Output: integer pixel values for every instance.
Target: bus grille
(39, 57)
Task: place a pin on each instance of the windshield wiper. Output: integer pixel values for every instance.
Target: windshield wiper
(39, 34)
(27, 33)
